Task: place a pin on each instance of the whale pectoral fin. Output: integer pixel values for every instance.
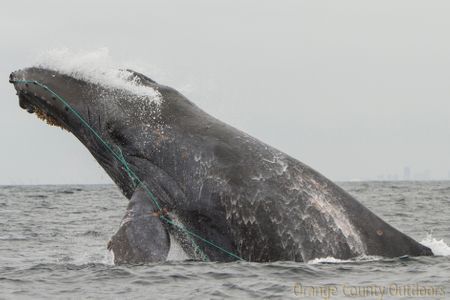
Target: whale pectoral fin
(141, 237)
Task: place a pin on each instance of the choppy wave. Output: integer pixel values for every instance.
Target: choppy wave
(59, 250)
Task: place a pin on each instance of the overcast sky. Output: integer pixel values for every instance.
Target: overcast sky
(355, 89)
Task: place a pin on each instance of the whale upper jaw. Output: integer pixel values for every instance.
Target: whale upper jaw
(35, 99)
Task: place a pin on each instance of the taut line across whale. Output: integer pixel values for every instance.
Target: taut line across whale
(222, 194)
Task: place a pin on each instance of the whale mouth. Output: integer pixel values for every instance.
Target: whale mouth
(26, 103)
(49, 119)
(33, 102)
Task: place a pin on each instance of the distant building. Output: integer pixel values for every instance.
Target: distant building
(424, 175)
(391, 177)
(407, 173)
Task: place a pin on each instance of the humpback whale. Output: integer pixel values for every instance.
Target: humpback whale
(221, 184)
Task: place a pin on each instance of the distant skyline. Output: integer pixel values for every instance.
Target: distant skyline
(407, 174)
(354, 89)
(410, 174)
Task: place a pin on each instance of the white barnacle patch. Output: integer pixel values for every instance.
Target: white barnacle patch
(260, 177)
(197, 157)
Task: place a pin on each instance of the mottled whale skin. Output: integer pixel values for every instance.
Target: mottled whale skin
(228, 187)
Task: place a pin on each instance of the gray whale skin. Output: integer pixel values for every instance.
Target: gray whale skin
(226, 186)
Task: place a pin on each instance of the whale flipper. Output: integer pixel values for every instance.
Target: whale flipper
(141, 236)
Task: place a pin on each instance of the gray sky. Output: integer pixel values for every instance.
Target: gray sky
(355, 89)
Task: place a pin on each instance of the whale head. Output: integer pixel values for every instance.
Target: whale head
(100, 114)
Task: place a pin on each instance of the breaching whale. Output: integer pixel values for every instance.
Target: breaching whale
(246, 198)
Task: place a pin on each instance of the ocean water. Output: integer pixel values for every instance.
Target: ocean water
(53, 245)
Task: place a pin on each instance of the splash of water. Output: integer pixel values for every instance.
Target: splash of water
(176, 252)
(333, 260)
(439, 247)
(96, 67)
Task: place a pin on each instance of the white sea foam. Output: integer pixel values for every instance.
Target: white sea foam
(97, 67)
(327, 260)
(333, 260)
(439, 247)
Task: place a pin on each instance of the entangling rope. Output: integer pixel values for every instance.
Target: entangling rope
(134, 178)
